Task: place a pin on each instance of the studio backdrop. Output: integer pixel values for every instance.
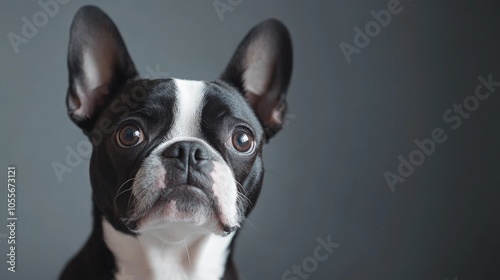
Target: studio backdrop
(387, 167)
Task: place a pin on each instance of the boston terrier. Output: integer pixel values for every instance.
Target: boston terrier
(176, 165)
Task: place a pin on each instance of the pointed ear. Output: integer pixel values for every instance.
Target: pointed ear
(261, 69)
(98, 63)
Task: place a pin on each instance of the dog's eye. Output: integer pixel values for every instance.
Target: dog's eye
(129, 136)
(242, 141)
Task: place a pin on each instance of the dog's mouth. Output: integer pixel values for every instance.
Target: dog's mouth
(182, 204)
(187, 198)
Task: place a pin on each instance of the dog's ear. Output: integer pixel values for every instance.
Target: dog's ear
(98, 64)
(261, 69)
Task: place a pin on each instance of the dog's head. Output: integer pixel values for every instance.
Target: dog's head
(171, 153)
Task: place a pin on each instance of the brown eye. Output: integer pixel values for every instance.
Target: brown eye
(242, 141)
(129, 136)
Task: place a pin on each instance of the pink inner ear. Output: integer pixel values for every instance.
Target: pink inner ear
(256, 78)
(97, 66)
(266, 102)
(261, 88)
(259, 67)
(270, 112)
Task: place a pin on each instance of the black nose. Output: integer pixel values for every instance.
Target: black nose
(188, 153)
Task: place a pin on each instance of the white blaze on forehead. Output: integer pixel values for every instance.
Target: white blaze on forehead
(188, 107)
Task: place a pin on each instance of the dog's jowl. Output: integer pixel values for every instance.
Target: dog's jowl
(176, 165)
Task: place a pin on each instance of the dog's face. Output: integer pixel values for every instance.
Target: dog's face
(189, 152)
(170, 153)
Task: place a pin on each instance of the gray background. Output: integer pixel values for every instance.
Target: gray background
(348, 124)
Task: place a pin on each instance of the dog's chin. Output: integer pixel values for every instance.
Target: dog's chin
(185, 210)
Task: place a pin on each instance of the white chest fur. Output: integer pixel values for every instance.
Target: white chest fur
(150, 257)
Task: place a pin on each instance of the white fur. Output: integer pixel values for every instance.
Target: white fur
(149, 257)
(226, 193)
(188, 106)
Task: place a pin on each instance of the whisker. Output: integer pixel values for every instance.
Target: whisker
(243, 200)
(242, 194)
(187, 251)
(118, 193)
(240, 186)
(252, 225)
(123, 192)
(129, 204)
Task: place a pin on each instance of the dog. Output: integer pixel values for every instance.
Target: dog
(176, 165)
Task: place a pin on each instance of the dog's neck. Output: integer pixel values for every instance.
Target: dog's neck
(150, 257)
